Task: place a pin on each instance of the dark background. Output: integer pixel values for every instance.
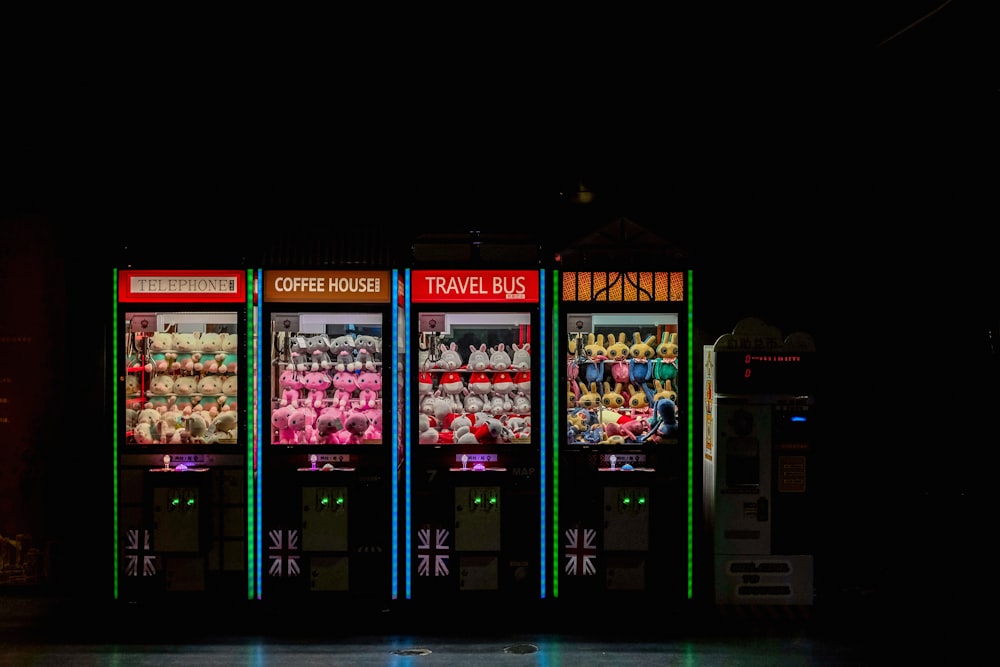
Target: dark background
(819, 171)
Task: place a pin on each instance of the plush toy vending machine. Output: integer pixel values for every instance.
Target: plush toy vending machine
(758, 490)
(622, 529)
(331, 388)
(183, 441)
(476, 446)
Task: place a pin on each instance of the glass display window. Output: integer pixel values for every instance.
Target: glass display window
(326, 379)
(623, 378)
(474, 378)
(182, 375)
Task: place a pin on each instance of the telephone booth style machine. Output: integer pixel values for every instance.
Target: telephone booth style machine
(182, 438)
(758, 409)
(622, 525)
(331, 387)
(476, 450)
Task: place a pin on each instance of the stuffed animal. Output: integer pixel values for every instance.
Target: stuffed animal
(279, 425)
(342, 352)
(210, 385)
(162, 354)
(479, 358)
(593, 367)
(301, 423)
(227, 354)
(425, 384)
(317, 353)
(480, 384)
(591, 398)
(291, 387)
(473, 403)
(365, 347)
(612, 398)
(521, 359)
(522, 382)
(369, 389)
(315, 383)
(664, 390)
(197, 428)
(344, 384)
(488, 432)
(637, 399)
(355, 426)
(328, 424)
(188, 347)
(618, 356)
(453, 388)
(499, 358)
(663, 424)
(211, 345)
(230, 390)
(450, 359)
(223, 427)
(374, 431)
(428, 435)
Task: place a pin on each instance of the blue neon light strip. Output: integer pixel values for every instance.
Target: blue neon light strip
(258, 536)
(394, 439)
(543, 467)
(408, 455)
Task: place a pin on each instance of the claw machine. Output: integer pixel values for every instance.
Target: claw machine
(622, 528)
(183, 439)
(758, 469)
(476, 446)
(331, 387)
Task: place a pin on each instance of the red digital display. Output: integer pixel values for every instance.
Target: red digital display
(773, 372)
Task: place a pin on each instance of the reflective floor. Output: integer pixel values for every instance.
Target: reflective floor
(38, 631)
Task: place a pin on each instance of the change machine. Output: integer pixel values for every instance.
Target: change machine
(183, 444)
(622, 526)
(476, 444)
(331, 387)
(758, 449)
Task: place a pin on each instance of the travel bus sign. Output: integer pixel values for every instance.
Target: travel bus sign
(172, 286)
(474, 286)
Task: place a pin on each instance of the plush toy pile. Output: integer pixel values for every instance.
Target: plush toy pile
(327, 390)
(484, 398)
(620, 392)
(183, 388)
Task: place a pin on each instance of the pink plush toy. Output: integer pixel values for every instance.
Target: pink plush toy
(369, 389)
(327, 426)
(355, 426)
(301, 422)
(279, 421)
(316, 383)
(290, 386)
(344, 384)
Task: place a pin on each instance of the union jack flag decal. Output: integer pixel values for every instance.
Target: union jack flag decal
(580, 551)
(281, 553)
(137, 550)
(432, 543)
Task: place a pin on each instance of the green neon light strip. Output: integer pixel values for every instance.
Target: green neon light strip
(689, 408)
(558, 431)
(114, 423)
(248, 340)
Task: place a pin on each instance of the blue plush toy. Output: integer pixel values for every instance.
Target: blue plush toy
(663, 423)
